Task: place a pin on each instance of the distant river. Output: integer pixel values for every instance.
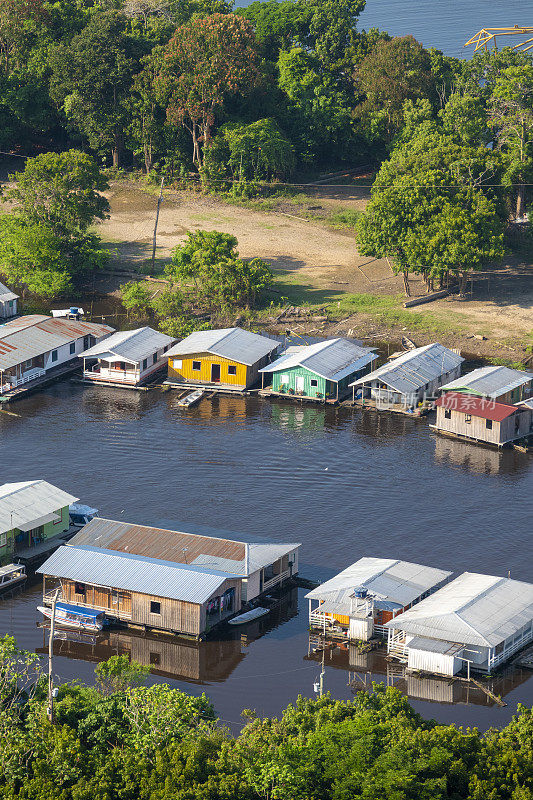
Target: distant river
(446, 24)
(346, 483)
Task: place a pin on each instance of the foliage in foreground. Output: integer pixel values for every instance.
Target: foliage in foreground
(123, 741)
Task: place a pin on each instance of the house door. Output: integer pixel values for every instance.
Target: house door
(300, 383)
(215, 373)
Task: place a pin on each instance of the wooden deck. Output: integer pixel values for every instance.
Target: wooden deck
(218, 388)
(51, 376)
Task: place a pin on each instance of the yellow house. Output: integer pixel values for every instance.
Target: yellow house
(231, 357)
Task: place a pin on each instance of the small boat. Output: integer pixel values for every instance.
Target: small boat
(80, 515)
(249, 616)
(73, 313)
(12, 574)
(408, 344)
(191, 399)
(77, 617)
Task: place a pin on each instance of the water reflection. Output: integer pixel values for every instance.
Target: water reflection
(364, 668)
(384, 426)
(292, 417)
(478, 459)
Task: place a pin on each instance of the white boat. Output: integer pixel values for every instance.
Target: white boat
(249, 616)
(77, 617)
(191, 399)
(12, 574)
(80, 515)
(68, 313)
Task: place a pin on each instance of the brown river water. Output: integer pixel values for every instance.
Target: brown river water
(344, 482)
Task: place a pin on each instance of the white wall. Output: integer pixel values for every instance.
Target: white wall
(7, 311)
(64, 354)
(361, 629)
(428, 661)
(253, 584)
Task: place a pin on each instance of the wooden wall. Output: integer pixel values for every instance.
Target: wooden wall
(244, 375)
(175, 615)
(477, 429)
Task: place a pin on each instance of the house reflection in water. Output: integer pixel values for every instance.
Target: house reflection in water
(478, 459)
(170, 656)
(296, 418)
(364, 668)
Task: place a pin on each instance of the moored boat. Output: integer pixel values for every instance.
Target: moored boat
(11, 575)
(191, 399)
(77, 617)
(80, 514)
(249, 616)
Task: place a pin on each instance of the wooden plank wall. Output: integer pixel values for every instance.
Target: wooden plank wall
(175, 615)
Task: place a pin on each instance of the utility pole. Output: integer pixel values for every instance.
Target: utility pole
(159, 201)
(50, 712)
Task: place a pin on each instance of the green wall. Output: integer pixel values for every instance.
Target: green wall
(323, 390)
(49, 529)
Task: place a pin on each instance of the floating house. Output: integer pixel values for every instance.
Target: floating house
(34, 347)
(475, 623)
(320, 371)
(497, 383)
(127, 358)
(411, 377)
(226, 359)
(8, 302)
(31, 512)
(175, 581)
(360, 600)
(480, 419)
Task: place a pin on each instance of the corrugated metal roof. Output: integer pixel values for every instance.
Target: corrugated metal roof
(434, 646)
(120, 571)
(391, 580)
(411, 371)
(27, 502)
(6, 294)
(476, 406)
(490, 381)
(130, 345)
(526, 403)
(332, 359)
(214, 552)
(472, 609)
(26, 338)
(233, 343)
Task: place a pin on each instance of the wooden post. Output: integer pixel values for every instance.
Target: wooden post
(159, 201)
(50, 712)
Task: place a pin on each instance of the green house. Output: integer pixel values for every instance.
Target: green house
(320, 371)
(31, 512)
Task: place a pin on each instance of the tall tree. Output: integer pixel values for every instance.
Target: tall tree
(206, 61)
(92, 78)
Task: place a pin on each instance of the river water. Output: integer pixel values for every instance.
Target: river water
(445, 24)
(344, 482)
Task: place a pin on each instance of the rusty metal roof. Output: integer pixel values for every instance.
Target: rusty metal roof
(211, 552)
(31, 336)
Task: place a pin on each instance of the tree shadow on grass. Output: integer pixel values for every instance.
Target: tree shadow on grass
(135, 257)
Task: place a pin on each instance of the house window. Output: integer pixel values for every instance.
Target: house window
(178, 363)
(196, 365)
(447, 413)
(488, 424)
(155, 659)
(72, 348)
(284, 379)
(54, 355)
(145, 363)
(28, 364)
(314, 382)
(155, 607)
(468, 417)
(79, 588)
(232, 369)
(3, 539)
(86, 342)
(155, 358)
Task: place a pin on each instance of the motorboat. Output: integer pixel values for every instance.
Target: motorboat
(80, 514)
(249, 616)
(191, 399)
(11, 575)
(77, 617)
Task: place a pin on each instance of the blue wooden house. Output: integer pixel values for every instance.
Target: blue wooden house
(320, 371)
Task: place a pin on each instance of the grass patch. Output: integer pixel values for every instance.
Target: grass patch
(344, 219)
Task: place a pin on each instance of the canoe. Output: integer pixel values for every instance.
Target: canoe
(408, 344)
(249, 616)
(191, 399)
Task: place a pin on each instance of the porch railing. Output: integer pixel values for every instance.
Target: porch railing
(113, 611)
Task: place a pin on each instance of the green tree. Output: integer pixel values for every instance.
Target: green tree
(92, 78)
(61, 190)
(206, 61)
(136, 297)
(209, 272)
(118, 674)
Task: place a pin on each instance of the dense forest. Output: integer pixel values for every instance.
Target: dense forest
(122, 740)
(244, 97)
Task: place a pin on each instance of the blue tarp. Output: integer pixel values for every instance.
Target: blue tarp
(82, 612)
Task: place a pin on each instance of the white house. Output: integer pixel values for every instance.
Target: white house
(476, 622)
(127, 357)
(412, 376)
(35, 345)
(8, 302)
